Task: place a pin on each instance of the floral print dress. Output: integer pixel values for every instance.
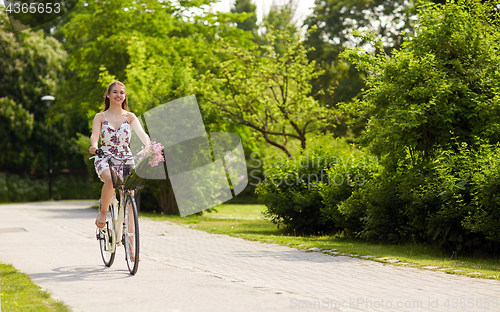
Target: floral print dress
(115, 141)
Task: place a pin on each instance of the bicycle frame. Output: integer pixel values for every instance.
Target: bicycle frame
(118, 214)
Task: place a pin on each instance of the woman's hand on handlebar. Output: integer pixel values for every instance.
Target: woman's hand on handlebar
(96, 151)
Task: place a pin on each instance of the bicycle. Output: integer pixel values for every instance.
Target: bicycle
(120, 221)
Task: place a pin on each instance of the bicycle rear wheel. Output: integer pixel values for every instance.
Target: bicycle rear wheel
(131, 234)
(107, 238)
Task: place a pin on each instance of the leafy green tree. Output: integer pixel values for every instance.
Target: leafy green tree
(442, 83)
(30, 67)
(16, 126)
(267, 92)
(147, 46)
(336, 20)
(433, 110)
(157, 49)
(96, 37)
(250, 18)
(280, 18)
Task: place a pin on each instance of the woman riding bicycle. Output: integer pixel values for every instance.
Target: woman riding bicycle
(114, 125)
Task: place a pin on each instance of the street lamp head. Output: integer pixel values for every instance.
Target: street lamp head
(47, 99)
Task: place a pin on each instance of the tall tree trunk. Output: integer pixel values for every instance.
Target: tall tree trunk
(167, 198)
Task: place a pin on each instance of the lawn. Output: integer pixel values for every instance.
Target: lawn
(19, 293)
(247, 221)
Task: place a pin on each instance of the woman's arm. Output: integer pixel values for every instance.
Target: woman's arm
(136, 125)
(96, 130)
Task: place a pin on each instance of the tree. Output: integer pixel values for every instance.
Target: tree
(16, 126)
(280, 18)
(433, 111)
(250, 18)
(157, 49)
(336, 20)
(267, 92)
(146, 46)
(442, 84)
(30, 67)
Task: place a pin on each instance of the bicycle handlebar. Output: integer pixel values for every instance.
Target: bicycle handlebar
(100, 153)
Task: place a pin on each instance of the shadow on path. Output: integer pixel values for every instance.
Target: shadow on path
(81, 273)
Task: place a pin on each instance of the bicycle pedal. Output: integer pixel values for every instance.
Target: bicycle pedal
(98, 233)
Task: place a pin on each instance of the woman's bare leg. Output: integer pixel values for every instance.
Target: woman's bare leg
(106, 195)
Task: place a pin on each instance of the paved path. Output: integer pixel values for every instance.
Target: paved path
(188, 270)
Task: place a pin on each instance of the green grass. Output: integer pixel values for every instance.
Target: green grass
(246, 221)
(19, 293)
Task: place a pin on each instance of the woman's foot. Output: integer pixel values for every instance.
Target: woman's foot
(100, 222)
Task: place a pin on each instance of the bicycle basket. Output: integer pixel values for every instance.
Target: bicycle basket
(132, 181)
(118, 173)
(124, 175)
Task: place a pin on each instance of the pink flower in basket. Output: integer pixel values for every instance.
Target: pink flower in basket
(154, 153)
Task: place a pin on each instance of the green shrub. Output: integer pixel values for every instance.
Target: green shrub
(74, 187)
(378, 206)
(15, 188)
(302, 193)
(470, 192)
(451, 201)
(348, 176)
(463, 214)
(442, 84)
(19, 189)
(484, 217)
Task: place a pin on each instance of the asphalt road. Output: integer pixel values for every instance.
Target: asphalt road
(187, 270)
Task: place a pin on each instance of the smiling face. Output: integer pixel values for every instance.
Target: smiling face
(117, 94)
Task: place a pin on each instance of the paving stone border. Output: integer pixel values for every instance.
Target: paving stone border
(389, 260)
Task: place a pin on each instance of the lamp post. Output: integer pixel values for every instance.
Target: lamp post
(48, 99)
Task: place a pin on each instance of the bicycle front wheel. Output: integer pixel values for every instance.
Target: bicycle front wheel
(107, 238)
(131, 234)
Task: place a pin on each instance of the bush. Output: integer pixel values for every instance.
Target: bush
(74, 187)
(378, 205)
(484, 217)
(451, 201)
(350, 175)
(469, 200)
(15, 188)
(302, 193)
(442, 85)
